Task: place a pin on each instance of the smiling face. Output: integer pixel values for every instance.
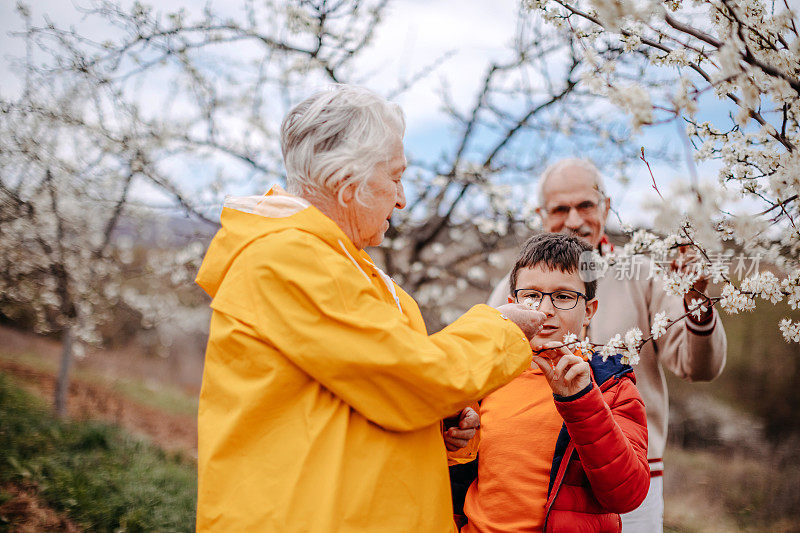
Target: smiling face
(559, 322)
(367, 223)
(572, 204)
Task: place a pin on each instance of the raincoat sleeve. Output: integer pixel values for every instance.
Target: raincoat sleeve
(325, 315)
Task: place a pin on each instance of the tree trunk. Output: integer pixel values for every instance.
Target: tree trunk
(62, 385)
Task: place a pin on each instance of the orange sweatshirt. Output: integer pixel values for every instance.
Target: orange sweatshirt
(519, 428)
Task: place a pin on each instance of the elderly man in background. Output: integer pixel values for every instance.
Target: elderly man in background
(322, 392)
(573, 201)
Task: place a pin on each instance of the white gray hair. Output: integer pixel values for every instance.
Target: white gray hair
(560, 165)
(335, 138)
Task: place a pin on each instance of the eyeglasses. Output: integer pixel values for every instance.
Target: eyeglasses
(583, 209)
(564, 299)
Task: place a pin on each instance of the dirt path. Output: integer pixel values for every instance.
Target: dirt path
(26, 512)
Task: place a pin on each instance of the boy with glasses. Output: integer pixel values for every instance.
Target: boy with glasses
(563, 447)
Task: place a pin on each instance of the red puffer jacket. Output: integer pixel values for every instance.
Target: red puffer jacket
(604, 439)
(606, 443)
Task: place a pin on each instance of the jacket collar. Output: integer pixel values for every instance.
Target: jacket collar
(612, 367)
(605, 247)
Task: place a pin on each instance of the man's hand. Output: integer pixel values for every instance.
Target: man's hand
(686, 262)
(528, 320)
(457, 437)
(566, 373)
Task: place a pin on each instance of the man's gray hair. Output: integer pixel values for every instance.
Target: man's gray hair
(560, 165)
(335, 138)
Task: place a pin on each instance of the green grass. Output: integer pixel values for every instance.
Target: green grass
(102, 478)
(32, 360)
(162, 397)
(165, 397)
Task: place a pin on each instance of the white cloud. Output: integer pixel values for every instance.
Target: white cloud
(416, 33)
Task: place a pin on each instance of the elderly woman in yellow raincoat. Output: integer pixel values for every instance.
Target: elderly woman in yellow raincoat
(322, 392)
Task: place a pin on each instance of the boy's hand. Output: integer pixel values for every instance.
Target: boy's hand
(566, 373)
(457, 437)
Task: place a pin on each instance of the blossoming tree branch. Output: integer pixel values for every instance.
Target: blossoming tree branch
(662, 62)
(224, 78)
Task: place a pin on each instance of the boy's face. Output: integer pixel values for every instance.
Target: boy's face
(559, 322)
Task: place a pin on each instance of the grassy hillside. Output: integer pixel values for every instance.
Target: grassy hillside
(762, 374)
(100, 477)
(734, 441)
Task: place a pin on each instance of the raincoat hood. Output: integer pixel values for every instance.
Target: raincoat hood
(247, 218)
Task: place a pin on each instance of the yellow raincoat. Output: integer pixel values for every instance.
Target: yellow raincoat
(322, 391)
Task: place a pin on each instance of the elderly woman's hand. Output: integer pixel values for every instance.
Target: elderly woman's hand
(458, 436)
(528, 320)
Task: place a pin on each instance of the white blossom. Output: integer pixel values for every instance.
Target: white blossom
(697, 307)
(640, 242)
(636, 101)
(630, 357)
(587, 348)
(570, 338)
(633, 338)
(764, 284)
(791, 284)
(633, 342)
(476, 273)
(790, 330)
(495, 260)
(733, 301)
(612, 347)
(659, 326)
(679, 283)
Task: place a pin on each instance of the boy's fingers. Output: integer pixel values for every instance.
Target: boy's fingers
(565, 362)
(551, 348)
(573, 372)
(558, 355)
(561, 365)
(544, 365)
